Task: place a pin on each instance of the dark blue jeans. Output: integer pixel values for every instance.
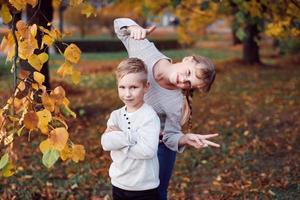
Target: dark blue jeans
(166, 159)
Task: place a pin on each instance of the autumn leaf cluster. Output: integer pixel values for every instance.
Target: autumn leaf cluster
(32, 108)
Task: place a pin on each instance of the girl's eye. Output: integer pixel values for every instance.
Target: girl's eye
(121, 87)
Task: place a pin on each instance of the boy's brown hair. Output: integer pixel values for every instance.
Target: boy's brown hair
(132, 65)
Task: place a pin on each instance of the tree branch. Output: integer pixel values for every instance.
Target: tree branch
(295, 3)
(14, 68)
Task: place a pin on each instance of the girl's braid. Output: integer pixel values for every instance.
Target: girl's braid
(189, 98)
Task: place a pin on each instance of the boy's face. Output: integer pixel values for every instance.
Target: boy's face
(131, 90)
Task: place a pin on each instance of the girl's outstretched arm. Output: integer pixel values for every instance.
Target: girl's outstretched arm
(197, 140)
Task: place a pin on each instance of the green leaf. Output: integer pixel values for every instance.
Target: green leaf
(204, 5)
(240, 17)
(50, 157)
(3, 161)
(241, 34)
(175, 3)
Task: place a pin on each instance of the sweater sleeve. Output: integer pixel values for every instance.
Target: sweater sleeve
(172, 131)
(116, 140)
(147, 138)
(133, 47)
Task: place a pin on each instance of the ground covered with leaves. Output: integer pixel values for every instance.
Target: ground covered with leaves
(254, 108)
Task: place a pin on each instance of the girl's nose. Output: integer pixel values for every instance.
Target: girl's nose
(184, 78)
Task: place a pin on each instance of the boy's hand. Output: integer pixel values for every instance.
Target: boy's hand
(112, 128)
(139, 33)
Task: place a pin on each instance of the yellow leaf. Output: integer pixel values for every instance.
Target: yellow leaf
(66, 103)
(18, 4)
(6, 16)
(44, 118)
(58, 94)
(72, 53)
(55, 34)
(65, 69)
(87, 10)
(8, 139)
(33, 30)
(75, 2)
(8, 46)
(31, 120)
(1, 120)
(35, 62)
(44, 146)
(47, 101)
(44, 30)
(43, 57)
(78, 153)
(22, 28)
(66, 153)
(47, 40)
(8, 170)
(35, 86)
(76, 77)
(21, 86)
(58, 138)
(27, 47)
(38, 77)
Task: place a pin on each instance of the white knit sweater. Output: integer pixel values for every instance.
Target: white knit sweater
(134, 149)
(166, 103)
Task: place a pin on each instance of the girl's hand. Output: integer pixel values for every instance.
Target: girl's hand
(112, 128)
(198, 141)
(139, 33)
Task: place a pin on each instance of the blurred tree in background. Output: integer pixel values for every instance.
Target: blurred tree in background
(278, 19)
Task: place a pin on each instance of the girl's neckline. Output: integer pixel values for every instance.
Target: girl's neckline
(155, 67)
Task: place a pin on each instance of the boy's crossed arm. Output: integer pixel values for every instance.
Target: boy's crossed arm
(140, 144)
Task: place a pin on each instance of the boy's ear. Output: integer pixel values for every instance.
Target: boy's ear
(146, 86)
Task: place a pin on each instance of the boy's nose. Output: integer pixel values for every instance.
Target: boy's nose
(128, 93)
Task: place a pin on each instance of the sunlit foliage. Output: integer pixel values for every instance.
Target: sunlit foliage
(32, 109)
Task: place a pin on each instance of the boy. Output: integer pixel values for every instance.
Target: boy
(132, 136)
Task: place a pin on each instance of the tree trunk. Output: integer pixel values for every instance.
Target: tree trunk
(62, 8)
(250, 46)
(234, 29)
(61, 19)
(41, 15)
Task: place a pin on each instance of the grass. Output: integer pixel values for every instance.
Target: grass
(174, 54)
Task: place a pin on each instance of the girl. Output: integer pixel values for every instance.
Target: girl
(168, 81)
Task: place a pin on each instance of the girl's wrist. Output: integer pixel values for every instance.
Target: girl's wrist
(182, 141)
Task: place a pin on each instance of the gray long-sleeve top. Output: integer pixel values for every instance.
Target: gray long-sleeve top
(167, 103)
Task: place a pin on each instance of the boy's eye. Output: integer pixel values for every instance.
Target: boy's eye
(133, 87)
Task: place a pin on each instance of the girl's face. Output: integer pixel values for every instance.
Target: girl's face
(131, 90)
(184, 74)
